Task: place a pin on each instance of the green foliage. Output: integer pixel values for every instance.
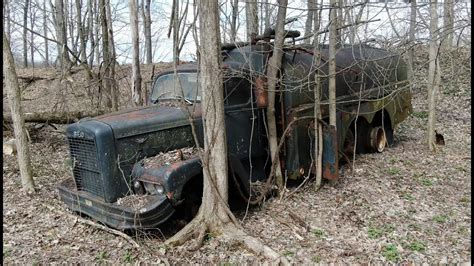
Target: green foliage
(374, 233)
(128, 257)
(465, 200)
(421, 114)
(377, 232)
(316, 259)
(6, 252)
(318, 232)
(288, 253)
(390, 252)
(417, 246)
(102, 256)
(393, 170)
(408, 196)
(426, 182)
(440, 218)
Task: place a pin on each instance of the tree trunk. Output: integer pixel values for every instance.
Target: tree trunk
(272, 74)
(233, 23)
(317, 22)
(267, 14)
(105, 54)
(411, 39)
(332, 63)
(147, 30)
(252, 19)
(112, 59)
(45, 33)
(309, 20)
(338, 22)
(90, 30)
(176, 32)
(14, 98)
(25, 26)
(80, 32)
(69, 17)
(448, 22)
(63, 54)
(433, 72)
(332, 83)
(136, 77)
(318, 147)
(32, 36)
(97, 30)
(7, 18)
(214, 215)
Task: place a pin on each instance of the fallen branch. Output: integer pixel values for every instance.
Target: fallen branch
(52, 117)
(299, 220)
(108, 230)
(96, 225)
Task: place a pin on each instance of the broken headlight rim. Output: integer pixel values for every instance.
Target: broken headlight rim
(154, 188)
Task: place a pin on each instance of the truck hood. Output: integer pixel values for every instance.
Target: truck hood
(143, 120)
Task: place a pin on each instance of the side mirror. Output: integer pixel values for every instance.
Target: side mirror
(261, 92)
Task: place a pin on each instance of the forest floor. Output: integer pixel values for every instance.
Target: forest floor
(406, 204)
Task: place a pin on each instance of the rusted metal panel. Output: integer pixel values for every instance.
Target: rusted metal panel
(330, 153)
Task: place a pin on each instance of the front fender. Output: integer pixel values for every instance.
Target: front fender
(172, 177)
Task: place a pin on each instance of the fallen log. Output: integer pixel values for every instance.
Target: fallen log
(53, 117)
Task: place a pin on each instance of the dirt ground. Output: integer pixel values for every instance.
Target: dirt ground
(404, 205)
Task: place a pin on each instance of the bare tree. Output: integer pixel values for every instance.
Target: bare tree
(252, 18)
(411, 39)
(7, 18)
(14, 98)
(214, 214)
(114, 89)
(136, 77)
(106, 77)
(146, 14)
(98, 24)
(272, 74)
(64, 60)
(233, 23)
(337, 19)
(433, 74)
(309, 20)
(267, 14)
(45, 33)
(318, 140)
(332, 63)
(448, 22)
(80, 31)
(25, 31)
(32, 35)
(90, 30)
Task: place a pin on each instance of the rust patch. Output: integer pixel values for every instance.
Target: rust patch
(330, 153)
(261, 92)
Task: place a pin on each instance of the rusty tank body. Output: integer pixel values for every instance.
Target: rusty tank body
(121, 154)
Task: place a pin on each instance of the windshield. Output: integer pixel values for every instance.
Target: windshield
(168, 87)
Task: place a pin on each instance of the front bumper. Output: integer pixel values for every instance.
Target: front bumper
(149, 216)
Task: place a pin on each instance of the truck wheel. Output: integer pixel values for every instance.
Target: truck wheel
(377, 139)
(370, 137)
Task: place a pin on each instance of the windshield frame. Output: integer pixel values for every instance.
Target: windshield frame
(171, 72)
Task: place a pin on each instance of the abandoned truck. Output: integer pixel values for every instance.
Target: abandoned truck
(147, 153)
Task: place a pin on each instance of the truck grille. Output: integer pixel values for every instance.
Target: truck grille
(85, 165)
